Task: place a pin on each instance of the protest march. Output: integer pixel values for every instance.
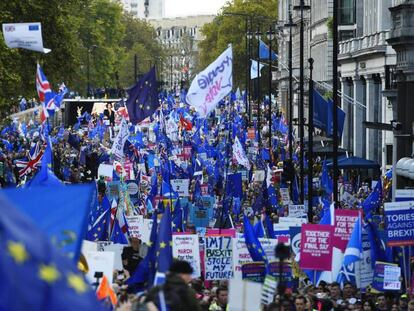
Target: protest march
(178, 200)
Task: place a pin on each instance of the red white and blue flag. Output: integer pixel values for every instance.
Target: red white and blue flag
(35, 156)
(43, 91)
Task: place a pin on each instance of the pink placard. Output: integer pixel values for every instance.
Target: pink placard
(316, 247)
(344, 224)
(221, 232)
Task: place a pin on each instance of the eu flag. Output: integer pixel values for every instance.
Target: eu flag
(34, 274)
(62, 213)
(164, 246)
(143, 98)
(145, 271)
(252, 242)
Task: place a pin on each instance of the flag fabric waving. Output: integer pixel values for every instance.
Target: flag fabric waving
(212, 84)
(143, 98)
(239, 154)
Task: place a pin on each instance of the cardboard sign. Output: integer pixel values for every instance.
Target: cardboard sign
(181, 186)
(285, 195)
(298, 211)
(185, 247)
(344, 224)
(117, 250)
(378, 280)
(392, 277)
(100, 262)
(316, 247)
(292, 221)
(106, 170)
(218, 258)
(135, 224)
(399, 223)
(253, 271)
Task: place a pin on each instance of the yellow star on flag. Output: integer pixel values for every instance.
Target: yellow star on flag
(17, 251)
(149, 244)
(48, 274)
(254, 245)
(77, 283)
(163, 245)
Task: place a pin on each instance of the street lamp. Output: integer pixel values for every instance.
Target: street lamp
(249, 36)
(270, 36)
(90, 49)
(258, 36)
(302, 7)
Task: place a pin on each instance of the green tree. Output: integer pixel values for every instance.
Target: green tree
(73, 29)
(228, 28)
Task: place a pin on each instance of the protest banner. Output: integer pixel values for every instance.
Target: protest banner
(181, 186)
(404, 195)
(284, 193)
(212, 84)
(392, 278)
(25, 36)
(298, 210)
(295, 237)
(106, 170)
(186, 247)
(344, 224)
(241, 256)
(253, 271)
(282, 233)
(100, 262)
(399, 223)
(244, 295)
(133, 190)
(365, 266)
(135, 224)
(218, 258)
(379, 274)
(292, 221)
(316, 247)
(117, 250)
(269, 289)
(285, 267)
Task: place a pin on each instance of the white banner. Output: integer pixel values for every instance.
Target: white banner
(298, 210)
(118, 146)
(185, 247)
(25, 36)
(239, 154)
(212, 84)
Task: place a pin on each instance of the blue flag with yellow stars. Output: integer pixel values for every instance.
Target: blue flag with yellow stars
(164, 247)
(146, 269)
(62, 213)
(34, 274)
(143, 98)
(252, 242)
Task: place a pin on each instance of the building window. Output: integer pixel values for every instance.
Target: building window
(346, 35)
(346, 12)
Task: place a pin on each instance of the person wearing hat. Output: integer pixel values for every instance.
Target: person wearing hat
(175, 293)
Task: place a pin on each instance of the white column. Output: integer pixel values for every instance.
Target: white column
(359, 117)
(371, 102)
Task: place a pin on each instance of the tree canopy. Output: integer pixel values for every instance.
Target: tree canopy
(73, 29)
(230, 27)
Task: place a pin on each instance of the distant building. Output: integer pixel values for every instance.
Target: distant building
(147, 9)
(180, 37)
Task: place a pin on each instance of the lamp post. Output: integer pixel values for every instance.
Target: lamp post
(301, 8)
(290, 25)
(270, 36)
(335, 100)
(249, 36)
(258, 36)
(310, 142)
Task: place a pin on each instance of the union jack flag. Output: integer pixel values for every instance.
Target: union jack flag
(35, 156)
(43, 88)
(117, 214)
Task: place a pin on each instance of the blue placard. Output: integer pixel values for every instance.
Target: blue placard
(399, 223)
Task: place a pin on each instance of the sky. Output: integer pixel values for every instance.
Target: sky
(175, 8)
